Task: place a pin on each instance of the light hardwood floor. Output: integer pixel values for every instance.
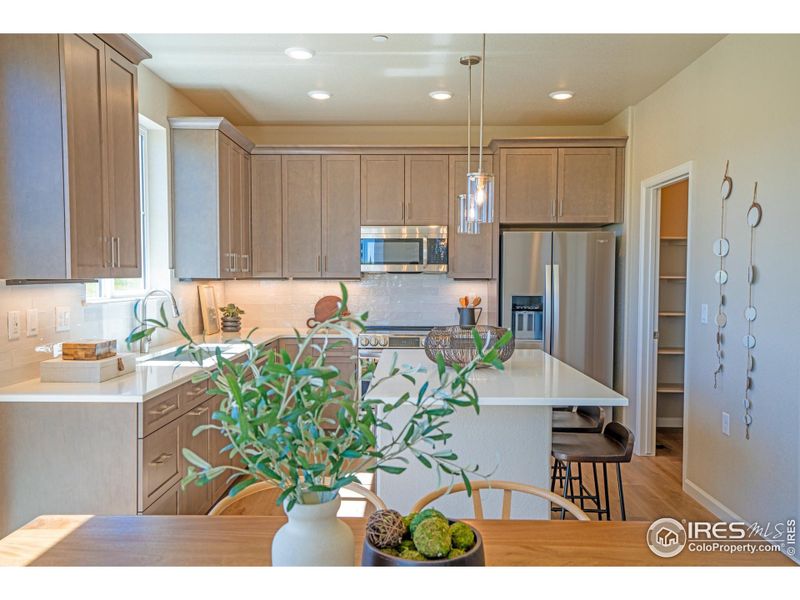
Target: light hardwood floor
(652, 484)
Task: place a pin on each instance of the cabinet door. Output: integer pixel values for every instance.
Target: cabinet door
(586, 185)
(469, 256)
(245, 242)
(122, 151)
(528, 179)
(302, 213)
(235, 208)
(267, 222)
(84, 90)
(195, 500)
(226, 156)
(383, 190)
(216, 442)
(341, 211)
(426, 189)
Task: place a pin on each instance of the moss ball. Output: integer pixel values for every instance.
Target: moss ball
(432, 537)
(462, 536)
(391, 551)
(410, 554)
(407, 545)
(425, 514)
(407, 521)
(456, 552)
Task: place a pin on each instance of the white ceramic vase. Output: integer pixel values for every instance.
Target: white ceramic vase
(313, 537)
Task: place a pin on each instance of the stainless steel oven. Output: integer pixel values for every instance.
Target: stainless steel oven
(379, 339)
(404, 249)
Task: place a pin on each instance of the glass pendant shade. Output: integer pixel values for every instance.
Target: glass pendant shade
(465, 224)
(480, 196)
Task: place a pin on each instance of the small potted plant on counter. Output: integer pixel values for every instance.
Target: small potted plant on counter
(231, 318)
(297, 423)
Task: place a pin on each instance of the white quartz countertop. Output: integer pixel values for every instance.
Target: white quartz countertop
(149, 380)
(530, 378)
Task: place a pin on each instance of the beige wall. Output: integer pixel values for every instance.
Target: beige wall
(18, 360)
(402, 134)
(737, 102)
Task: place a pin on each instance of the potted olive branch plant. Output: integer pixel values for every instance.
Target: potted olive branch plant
(295, 422)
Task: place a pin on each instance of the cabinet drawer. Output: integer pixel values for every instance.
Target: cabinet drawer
(160, 410)
(167, 504)
(192, 394)
(160, 460)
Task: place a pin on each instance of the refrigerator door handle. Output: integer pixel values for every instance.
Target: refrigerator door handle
(555, 346)
(548, 309)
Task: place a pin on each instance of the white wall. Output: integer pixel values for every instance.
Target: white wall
(18, 360)
(737, 102)
(390, 299)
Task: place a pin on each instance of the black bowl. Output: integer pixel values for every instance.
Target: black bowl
(372, 556)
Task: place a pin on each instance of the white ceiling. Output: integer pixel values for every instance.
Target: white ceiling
(248, 78)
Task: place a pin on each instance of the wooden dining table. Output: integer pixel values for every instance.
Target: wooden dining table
(79, 540)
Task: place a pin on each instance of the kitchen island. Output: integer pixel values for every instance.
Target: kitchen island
(511, 437)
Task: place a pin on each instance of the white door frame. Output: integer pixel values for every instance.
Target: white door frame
(646, 344)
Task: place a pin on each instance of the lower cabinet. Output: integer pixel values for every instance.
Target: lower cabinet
(195, 499)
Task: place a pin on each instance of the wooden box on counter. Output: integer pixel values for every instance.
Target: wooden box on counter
(88, 349)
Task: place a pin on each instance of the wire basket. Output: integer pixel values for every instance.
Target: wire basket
(458, 347)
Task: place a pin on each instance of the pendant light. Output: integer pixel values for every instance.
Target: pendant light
(467, 221)
(480, 184)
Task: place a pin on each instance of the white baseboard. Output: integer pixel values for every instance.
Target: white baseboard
(718, 508)
(709, 502)
(669, 422)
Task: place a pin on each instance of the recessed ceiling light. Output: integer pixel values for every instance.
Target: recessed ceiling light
(561, 95)
(441, 95)
(319, 94)
(299, 53)
(380, 38)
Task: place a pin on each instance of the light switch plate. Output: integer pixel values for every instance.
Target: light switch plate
(62, 318)
(32, 322)
(704, 313)
(726, 423)
(13, 324)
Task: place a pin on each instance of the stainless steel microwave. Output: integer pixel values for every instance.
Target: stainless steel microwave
(398, 249)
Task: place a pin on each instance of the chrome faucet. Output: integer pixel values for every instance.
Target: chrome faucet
(144, 343)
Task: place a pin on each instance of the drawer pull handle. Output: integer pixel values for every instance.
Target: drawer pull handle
(196, 392)
(198, 411)
(164, 409)
(161, 459)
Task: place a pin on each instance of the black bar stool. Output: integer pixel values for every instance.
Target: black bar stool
(613, 445)
(584, 419)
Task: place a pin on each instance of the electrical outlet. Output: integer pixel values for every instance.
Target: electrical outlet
(726, 423)
(13, 325)
(32, 322)
(62, 318)
(704, 313)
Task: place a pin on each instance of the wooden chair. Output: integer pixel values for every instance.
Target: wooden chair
(259, 500)
(508, 487)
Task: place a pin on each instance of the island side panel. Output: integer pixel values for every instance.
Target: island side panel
(510, 443)
(66, 458)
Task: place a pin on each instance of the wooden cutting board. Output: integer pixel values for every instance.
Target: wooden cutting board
(88, 349)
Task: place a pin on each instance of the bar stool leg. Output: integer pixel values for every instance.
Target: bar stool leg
(605, 487)
(621, 496)
(596, 499)
(580, 484)
(553, 476)
(568, 478)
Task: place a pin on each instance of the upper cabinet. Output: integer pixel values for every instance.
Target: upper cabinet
(528, 185)
(470, 256)
(562, 181)
(267, 216)
(383, 189)
(69, 191)
(426, 189)
(321, 208)
(211, 189)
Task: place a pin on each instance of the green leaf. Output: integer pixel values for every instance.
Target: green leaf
(467, 482)
(195, 459)
(242, 485)
(441, 367)
(391, 469)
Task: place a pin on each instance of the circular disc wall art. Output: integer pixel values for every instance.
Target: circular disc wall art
(721, 247)
(753, 218)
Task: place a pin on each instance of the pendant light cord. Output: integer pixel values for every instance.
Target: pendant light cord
(483, 81)
(469, 120)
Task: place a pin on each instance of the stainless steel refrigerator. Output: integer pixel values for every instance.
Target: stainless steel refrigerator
(557, 294)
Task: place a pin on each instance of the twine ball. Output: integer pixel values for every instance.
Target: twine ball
(385, 528)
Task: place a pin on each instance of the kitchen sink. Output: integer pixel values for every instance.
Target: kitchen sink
(207, 351)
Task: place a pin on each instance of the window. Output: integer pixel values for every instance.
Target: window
(108, 289)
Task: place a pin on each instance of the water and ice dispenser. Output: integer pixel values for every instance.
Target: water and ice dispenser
(527, 317)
